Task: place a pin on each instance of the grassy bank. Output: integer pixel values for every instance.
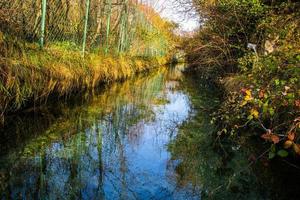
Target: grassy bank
(28, 75)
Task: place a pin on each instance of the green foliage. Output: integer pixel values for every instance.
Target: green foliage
(228, 26)
(263, 94)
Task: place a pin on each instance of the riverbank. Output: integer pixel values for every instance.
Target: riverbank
(30, 75)
(252, 50)
(111, 146)
(226, 167)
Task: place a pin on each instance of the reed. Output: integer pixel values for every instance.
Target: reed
(28, 75)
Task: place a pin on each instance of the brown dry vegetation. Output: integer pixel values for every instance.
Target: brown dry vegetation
(123, 37)
(29, 75)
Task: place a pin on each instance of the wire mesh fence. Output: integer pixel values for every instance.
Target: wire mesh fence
(21, 18)
(109, 25)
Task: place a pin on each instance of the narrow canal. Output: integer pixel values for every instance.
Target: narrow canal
(129, 141)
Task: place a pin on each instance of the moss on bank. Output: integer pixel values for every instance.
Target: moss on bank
(28, 75)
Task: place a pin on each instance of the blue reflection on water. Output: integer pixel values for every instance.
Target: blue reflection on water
(120, 155)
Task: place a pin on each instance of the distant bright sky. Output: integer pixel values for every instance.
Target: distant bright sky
(167, 10)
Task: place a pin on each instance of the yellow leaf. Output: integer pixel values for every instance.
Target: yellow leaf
(248, 92)
(296, 148)
(288, 144)
(248, 98)
(244, 103)
(254, 113)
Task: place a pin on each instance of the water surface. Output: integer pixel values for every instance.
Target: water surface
(114, 146)
(145, 138)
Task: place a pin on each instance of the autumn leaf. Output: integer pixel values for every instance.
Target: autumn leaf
(254, 113)
(243, 90)
(291, 136)
(288, 144)
(275, 139)
(244, 103)
(261, 94)
(266, 136)
(248, 92)
(248, 96)
(271, 138)
(297, 103)
(296, 148)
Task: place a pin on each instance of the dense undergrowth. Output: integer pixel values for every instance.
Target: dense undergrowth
(117, 39)
(29, 75)
(252, 48)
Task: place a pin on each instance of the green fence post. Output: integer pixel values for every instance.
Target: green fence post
(108, 26)
(43, 23)
(85, 25)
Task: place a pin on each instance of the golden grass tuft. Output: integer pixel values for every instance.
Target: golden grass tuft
(29, 75)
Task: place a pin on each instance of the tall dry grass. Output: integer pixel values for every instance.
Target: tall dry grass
(29, 75)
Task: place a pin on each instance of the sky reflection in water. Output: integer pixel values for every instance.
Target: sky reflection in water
(114, 148)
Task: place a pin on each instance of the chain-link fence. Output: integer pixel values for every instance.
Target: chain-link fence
(109, 25)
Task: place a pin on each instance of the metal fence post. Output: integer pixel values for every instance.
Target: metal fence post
(43, 22)
(85, 25)
(108, 26)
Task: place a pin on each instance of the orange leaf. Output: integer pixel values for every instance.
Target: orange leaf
(271, 137)
(275, 139)
(266, 136)
(297, 103)
(261, 94)
(291, 136)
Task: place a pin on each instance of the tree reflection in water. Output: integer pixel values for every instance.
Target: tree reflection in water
(110, 147)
